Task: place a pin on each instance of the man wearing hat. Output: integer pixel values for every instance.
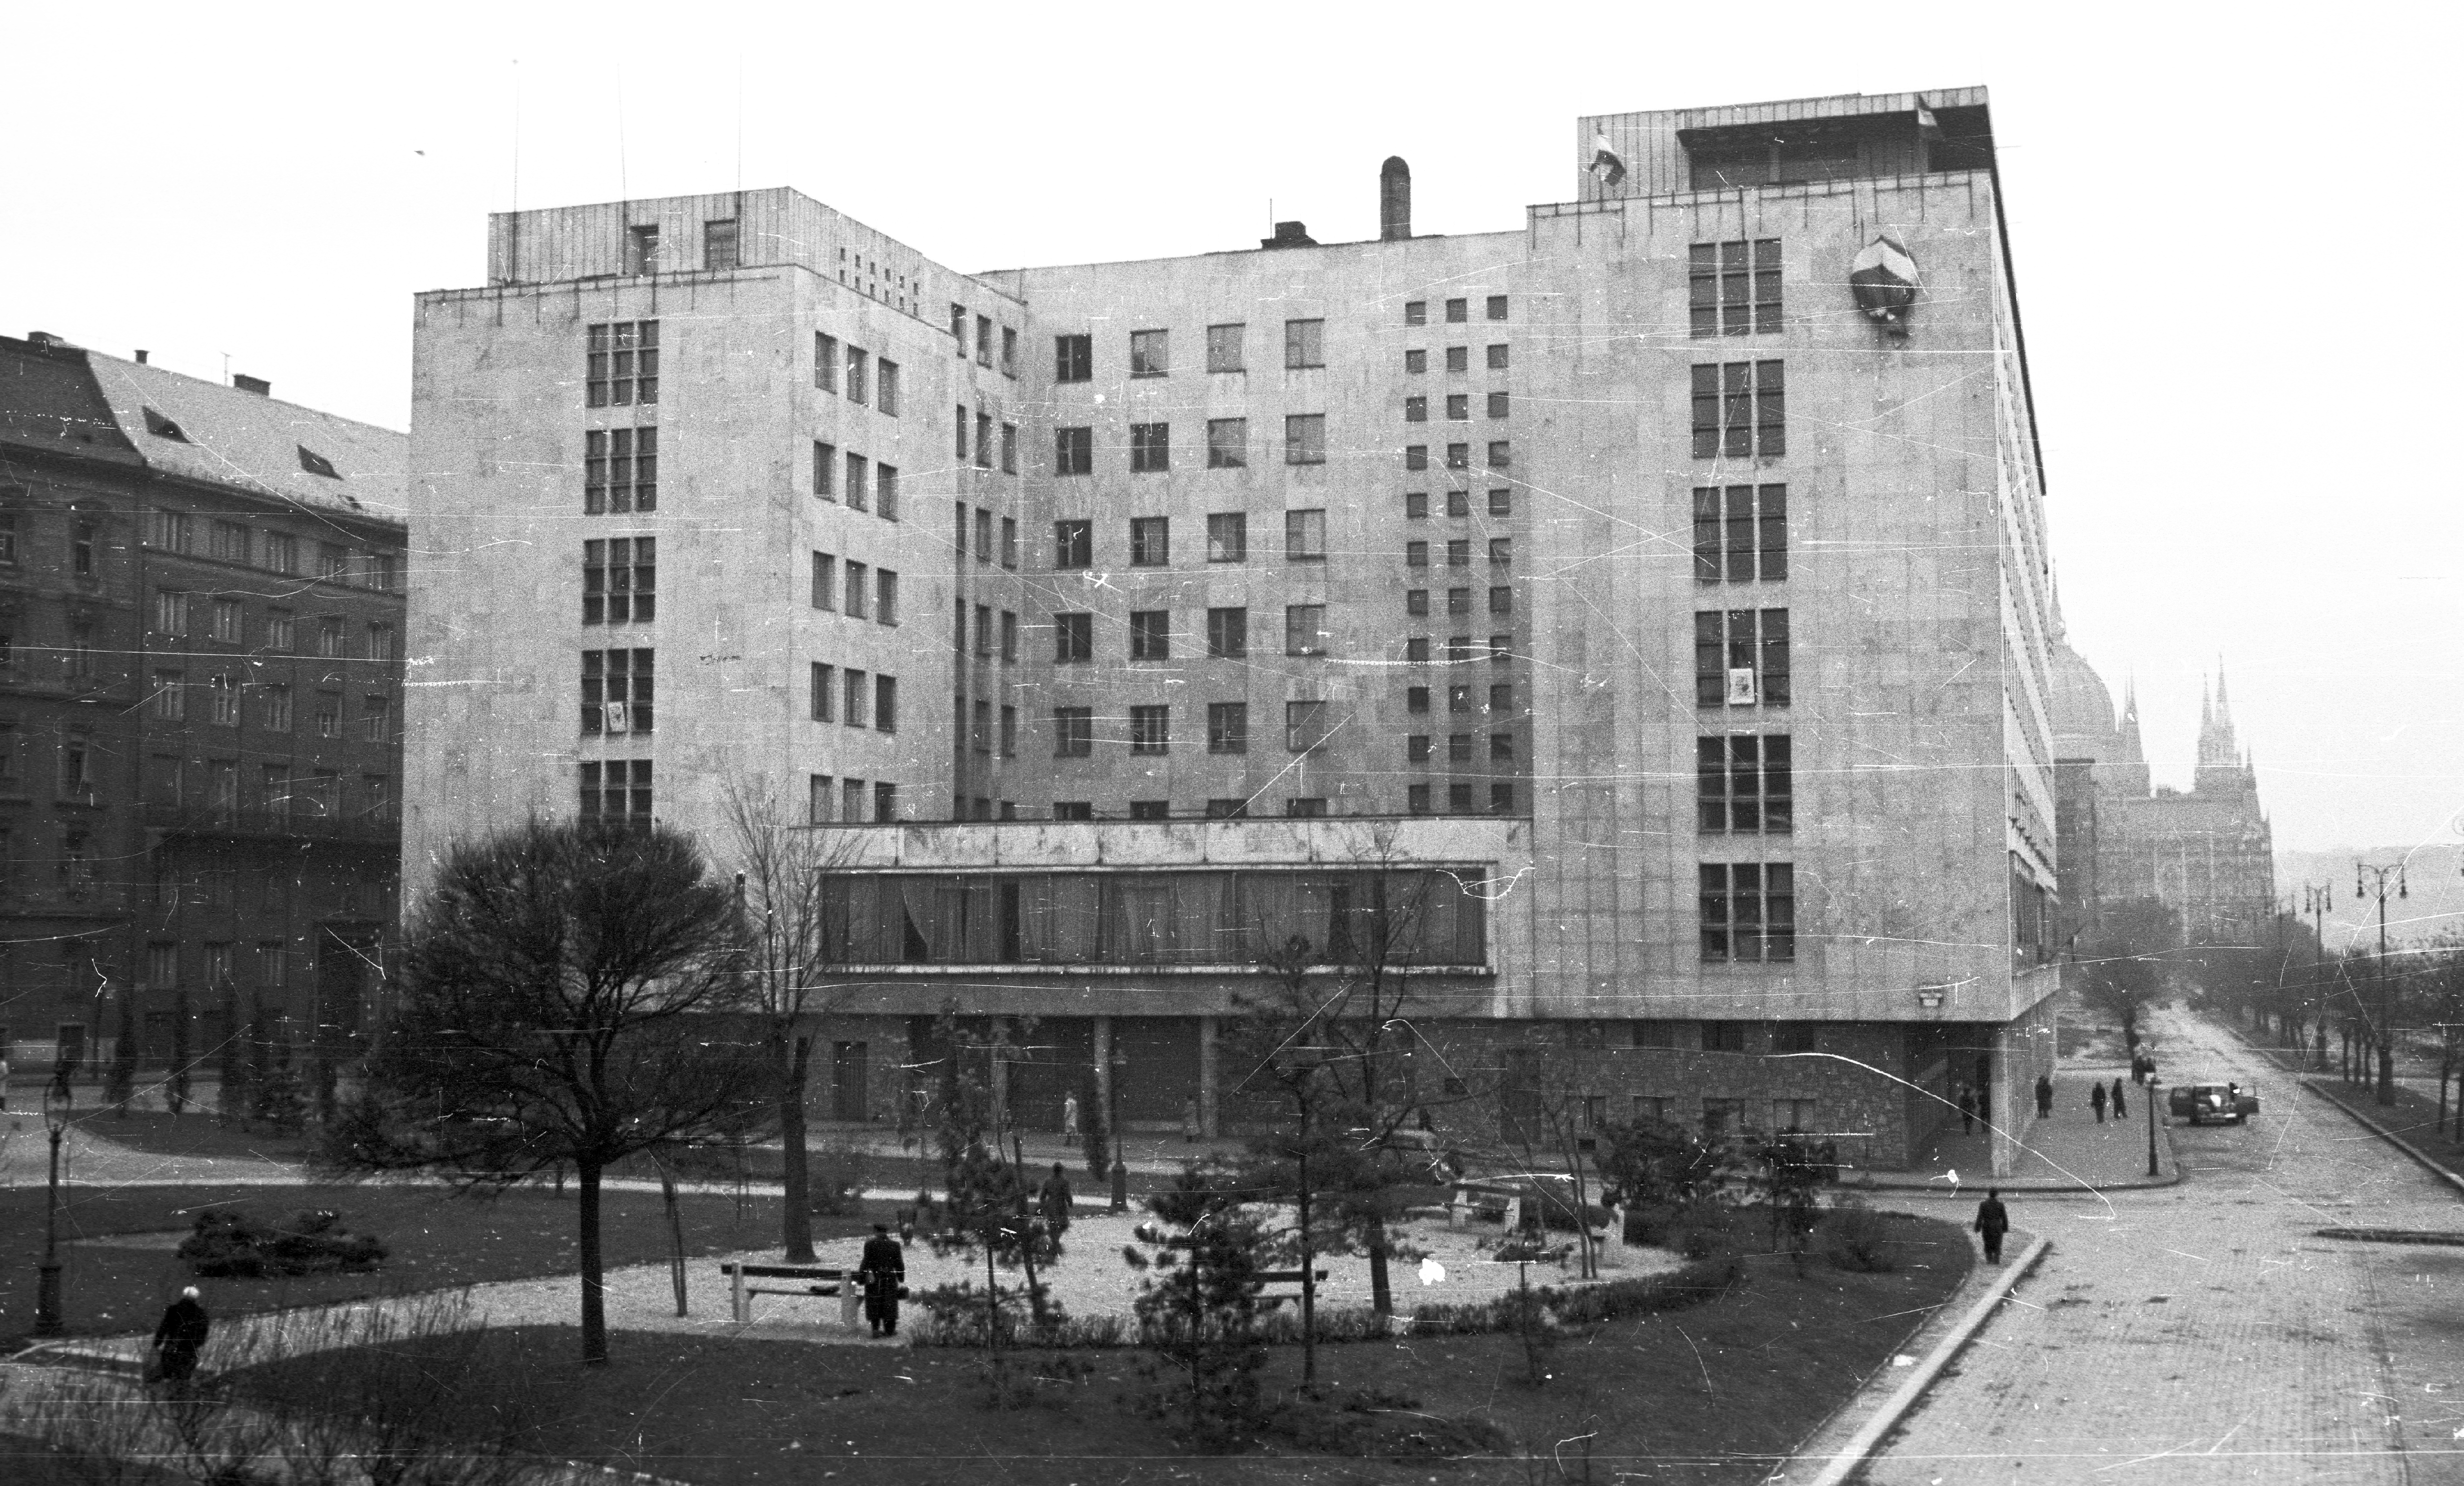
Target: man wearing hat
(181, 1336)
(882, 1274)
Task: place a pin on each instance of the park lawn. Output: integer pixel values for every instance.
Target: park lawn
(1712, 1393)
(202, 1135)
(435, 1241)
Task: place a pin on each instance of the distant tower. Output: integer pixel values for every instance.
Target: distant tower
(2220, 765)
(2130, 773)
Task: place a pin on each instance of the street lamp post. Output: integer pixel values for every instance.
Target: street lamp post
(56, 1102)
(2377, 887)
(1112, 1121)
(2151, 1126)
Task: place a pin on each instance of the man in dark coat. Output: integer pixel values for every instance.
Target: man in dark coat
(2096, 1100)
(1967, 1111)
(2118, 1108)
(181, 1335)
(882, 1273)
(1993, 1221)
(2044, 1097)
(1053, 1199)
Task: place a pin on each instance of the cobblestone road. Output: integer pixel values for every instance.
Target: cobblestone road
(2202, 1333)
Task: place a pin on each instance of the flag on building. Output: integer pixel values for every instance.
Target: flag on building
(1605, 163)
(1883, 279)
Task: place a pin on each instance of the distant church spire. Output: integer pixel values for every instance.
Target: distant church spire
(2220, 760)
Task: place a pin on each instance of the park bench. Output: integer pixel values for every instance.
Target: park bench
(818, 1281)
(1283, 1276)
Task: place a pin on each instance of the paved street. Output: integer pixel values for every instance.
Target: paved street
(2202, 1333)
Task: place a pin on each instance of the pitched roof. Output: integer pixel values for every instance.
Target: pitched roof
(205, 432)
(48, 402)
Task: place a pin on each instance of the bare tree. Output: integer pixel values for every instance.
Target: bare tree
(557, 986)
(780, 868)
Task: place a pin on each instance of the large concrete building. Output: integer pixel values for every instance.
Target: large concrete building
(201, 616)
(1663, 579)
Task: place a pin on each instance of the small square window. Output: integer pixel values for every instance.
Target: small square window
(1227, 537)
(1415, 602)
(1497, 307)
(1416, 409)
(1415, 749)
(1497, 357)
(1224, 348)
(1457, 310)
(1458, 358)
(1459, 503)
(1416, 362)
(1416, 505)
(1501, 503)
(1458, 406)
(1416, 456)
(1459, 748)
(1416, 700)
(1150, 353)
(1150, 809)
(1497, 405)
(1458, 601)
(1500, 455)
(1416, 652)
(1458, 457)
(1416, 799)
(1458, 799)
(1416, 312)
(1149, 541)
(1416, 555)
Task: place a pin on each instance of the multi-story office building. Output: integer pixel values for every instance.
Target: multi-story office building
(1664, 581)
(201, 664)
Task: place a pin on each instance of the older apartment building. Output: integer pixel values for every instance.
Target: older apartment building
(1659, 589)
(201, 619)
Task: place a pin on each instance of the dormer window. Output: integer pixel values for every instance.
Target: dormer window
(317, 463)
(163, 428)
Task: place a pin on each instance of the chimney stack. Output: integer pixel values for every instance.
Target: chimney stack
(141, 355)
(1289, 234)
(1394, 200)
(248, 384)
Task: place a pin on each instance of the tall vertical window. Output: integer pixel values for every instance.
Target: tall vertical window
(1741, 658)
(383, 645)
(620, 579)
(859, 374)
(1073, 358)
(1150, 730)
(821, 797)
(825, 581)
(1303, 344)
(983, 535)
(617, 792)
(1304, 535)
(1748, 911)
(1307, 725)
(277, 707)
(855, 697)
(885, 704)
(718, 246)
(1010, 449)
(1305, 438)
(170, 530)
(1740, 410)
(170, 612)
(1740, 533)
(1008, 637)
(1073, 731)
(1227, 727)
(1073, 451)
(222, 697)
(984, 340)
(1149, 541)
(1742, 784)
(885, 594)
(825, 706)
(1305, 630)
(1733, 287)
(1009, 541)
(623, 364)
(1227, 443)
(620, 470)
(1227, 537)
(825, 470)
(885, 387)
(884, 491)
(1225, 351)
(1009, 732)
(1073, 638)
(983, 440)
(1150, 353)
(1150, 448)
(859, 595)
(825, 362)
(641, 250)
(1008, 352)
(855, 495)
(1227, 633)
(1073, 544)
(376, 719)
(1150, 634)
(616, 691)
(168, 700)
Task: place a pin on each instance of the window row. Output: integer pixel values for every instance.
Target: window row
(1073, 357)
(1740, 533)
(1732, 288)
(1747, 911)
(1741, 658)
(984, 340)
(1420, 799)
(620, 470)
(617, 792)
(179, 615)
(1419, 747)
(621, 364)
(1458, 312)
(1308, 725)
(214, 785)
(855, 374)
(1228, 445)
(983, 529)
(1459, 699)
(1458, 359)
(1501, 455)
(225, 702)
(986, 643)
(1501, 554)
(1458, 408)
(850, 800)
(1227, 634)
(1227, 539)
(620, 581)
(853, 697)
(233, 541)
(1740, 410)
(854, 481)
(984, 441)
(980, 734)
(867, 592)
(85, 536)
(1742, 784)
(1416, 600)
(617, 692)
(1416, 503)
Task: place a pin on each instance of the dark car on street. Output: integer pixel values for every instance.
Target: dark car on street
(2200, 1103)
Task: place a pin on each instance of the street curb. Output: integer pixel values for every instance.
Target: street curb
(1851, 1457)
(2301, 1080)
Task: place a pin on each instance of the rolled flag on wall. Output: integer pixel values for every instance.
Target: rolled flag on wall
(1883, 279)
(1605, 163)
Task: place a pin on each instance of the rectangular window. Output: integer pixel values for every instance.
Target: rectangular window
(168, 700)
(958, 421)
(1748, 915)
(1227, 443)
(1458, 358)
(1306, 725)
(230, 542)
(170, 612)
(858, 379)
(1458, 457)
(1305, 439)
(826, 693)
(1459, 748)
(1416, 650)
(329, 635)
(1501, 552)
(1073, 638)
(984, 340)
(1416, 506)
(1416, 409)
(1416, 456)
(1500, 601)
(1073, 731)
(718, 246)
(1073, 544)
(825, 362)
(1073, 810)
(983, 440)
(1733, 287)
(1501, 797)
(983, 535)
(885, 594)
(1150, 809)
(825, 470)
(329, 715)
(1227, 727)
(1497, 357)
(1227, 537)
(1457, 310)
(1741, 658)
(859, 591)
(885, 387)
(1008, 637)
(826, 581)
(1009, 732)
(1458, 406)
(1304, 535)
(616, 691)
(1305, 630)
(617, 792)
(1224, 348)
(1416, 555)
(1150, 730)
(885, 704)
(1415, 364)
(984, 630)
(1073, 358)
(820, 799)
(1416, 748)
(641, 250)
(1150, 353)
(1740, 410)
(280, 632)
(1416, 799)
(622, 363)
(1497, 307)
(1415, 602)
(855, 492)
(620, 471)
(1501, 453)
(221, 696)
(1459, 798)
(620, 579)
(169, 531)
(1009, 542)
(1459, 553)
(1458, 601)
(1150, 634)
(852, 794)
(884, 491)
(1227, 633)
(1742, 784)
(1740, 533)
(1008, 352)
(376, 719)
(1233, 809)
(1010, 449)
(855, 697)
(1150, 448)
(1497, 405)
(281, 554)
(1303, 344)
(278, 709)
(1416, 312)
(1073, 451)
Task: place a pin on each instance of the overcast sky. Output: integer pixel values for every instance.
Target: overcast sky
(2235, 232)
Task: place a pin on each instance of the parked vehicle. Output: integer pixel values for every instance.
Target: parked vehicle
(2223, 1104)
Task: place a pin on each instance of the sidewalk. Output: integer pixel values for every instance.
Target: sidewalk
(2068, 1151)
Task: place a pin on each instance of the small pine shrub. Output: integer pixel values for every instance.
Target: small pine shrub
(834, 1178)
(1855, 1238)
(228, 1243)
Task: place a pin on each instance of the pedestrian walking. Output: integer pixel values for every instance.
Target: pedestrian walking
(2044, 1097)
(883, 1273)
(1967, 1112)
(179, 1336)
(1053, 1199)
(2096, 1100)
(1068, 1117)
(1993, 1221)
(2118, 1108)
(1189, 1120)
